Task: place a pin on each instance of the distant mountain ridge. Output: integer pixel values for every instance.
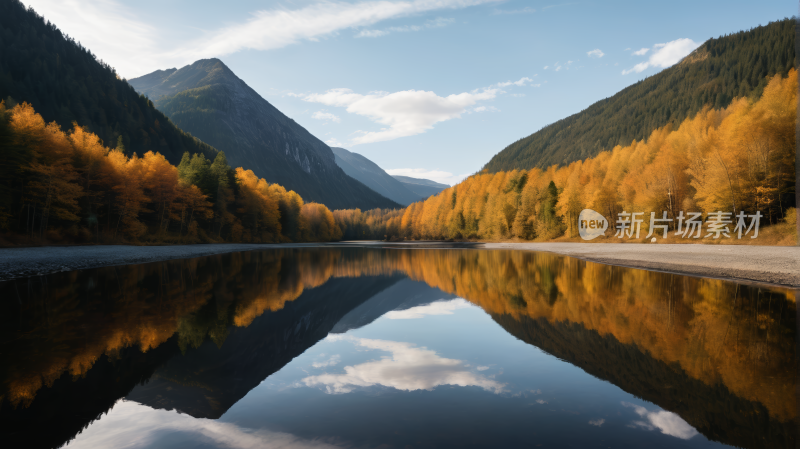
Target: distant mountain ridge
(403, 295)
(367, 172)
(207, 99)
(422, 187)
(736, 65)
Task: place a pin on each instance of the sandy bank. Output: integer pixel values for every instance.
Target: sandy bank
(772, 264)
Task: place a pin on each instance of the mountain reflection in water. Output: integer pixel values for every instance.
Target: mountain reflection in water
(197, 335)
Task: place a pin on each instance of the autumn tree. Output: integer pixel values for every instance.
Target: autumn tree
(53, 183)
(130, 200)
(258, 208)
(318, 224)
(161, 186)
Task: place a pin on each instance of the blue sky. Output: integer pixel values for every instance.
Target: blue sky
(427, 88)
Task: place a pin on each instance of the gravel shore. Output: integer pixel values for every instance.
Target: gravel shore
(769, 264)
(33, 261)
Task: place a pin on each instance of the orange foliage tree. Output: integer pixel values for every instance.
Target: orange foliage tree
(57, 182)
(740, 158)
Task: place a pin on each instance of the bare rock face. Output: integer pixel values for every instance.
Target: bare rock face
(208, 100)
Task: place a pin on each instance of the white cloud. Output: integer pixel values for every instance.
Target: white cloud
(640, 67)
(667, 422)
(641, 52)
(439, 22)
(435, 23)
(541, 401)
(139, 426)
(558, 66)
(440, 176)
(334, 142)
(408, 368)
(596, 53)
(134, 47)
(482, 368)
(526, 10)
(379, 33)
(485, 109)
(277, 28)
(434, 308)
(665, 55)
(404, 113)
(597, 422)
(520, 82)
(108, 29)
(327, 116)
(546, 67)
(332, 361)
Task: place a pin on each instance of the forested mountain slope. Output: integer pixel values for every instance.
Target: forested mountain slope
(370, 174)
(66, 83)
(207, 99)
(736, 65)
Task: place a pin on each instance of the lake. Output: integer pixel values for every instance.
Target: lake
(394, 347)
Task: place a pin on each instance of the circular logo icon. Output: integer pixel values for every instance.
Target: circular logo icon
(591, 224)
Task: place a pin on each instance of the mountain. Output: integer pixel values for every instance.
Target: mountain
(720, 70)
(205, 382)
(199, 376)
(403, 295)
(66, 83)
(367, 172)
(422, 187)
(207, 99)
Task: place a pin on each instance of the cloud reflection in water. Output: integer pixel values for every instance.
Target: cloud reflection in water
(667, 422)
(434, 308)
(408, 368)
(133, 425)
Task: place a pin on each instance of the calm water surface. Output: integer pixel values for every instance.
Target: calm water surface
(381, 347)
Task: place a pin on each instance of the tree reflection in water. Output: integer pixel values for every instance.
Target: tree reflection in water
(719, 354)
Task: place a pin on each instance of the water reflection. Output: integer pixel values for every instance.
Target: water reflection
(407, 368)
(197, 335)
(667, 422)
(437, 308)
(136, 425)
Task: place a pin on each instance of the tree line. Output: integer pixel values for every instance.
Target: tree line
(68, 186)
(738, 158)
(374, 224)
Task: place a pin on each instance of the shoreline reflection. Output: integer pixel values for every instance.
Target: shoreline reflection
(196, 335)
